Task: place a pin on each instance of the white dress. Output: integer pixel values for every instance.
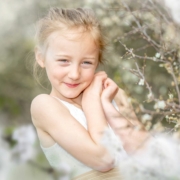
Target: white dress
(56, 154)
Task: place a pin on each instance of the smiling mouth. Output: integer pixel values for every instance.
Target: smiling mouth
(71, 85)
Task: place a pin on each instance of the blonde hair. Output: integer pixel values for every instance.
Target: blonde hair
(59, 19)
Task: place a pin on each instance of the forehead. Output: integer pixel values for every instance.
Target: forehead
(71, 39)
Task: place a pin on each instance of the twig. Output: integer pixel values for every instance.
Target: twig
(130, 51)
(159, 12)
(143, 47)
(142, 30)
(175, 81)
(155, 112)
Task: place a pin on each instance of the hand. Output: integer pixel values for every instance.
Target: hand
(108, 94)
(110, 90)
(125, 110)
(94, 90)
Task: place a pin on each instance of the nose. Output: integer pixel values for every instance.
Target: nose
(74, 72)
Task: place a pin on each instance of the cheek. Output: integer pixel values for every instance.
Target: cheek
(55, 74)
(89, 76)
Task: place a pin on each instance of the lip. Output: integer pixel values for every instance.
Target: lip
(71, 85)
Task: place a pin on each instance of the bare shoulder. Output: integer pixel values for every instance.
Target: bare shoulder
(42, 105)
(42, 99)
(43, 102)
(39, 104)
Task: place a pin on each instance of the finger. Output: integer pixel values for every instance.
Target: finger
(98, 81)
(111, 85)
(106, 82)
(110, 82)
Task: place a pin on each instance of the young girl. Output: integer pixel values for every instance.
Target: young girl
(71, 120)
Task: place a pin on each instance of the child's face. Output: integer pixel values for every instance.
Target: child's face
(70, 63)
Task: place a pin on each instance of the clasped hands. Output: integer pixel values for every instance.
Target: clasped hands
(104, 90)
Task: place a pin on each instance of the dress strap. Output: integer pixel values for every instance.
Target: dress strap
(70, 106)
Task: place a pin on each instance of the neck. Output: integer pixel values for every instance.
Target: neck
(76, 101)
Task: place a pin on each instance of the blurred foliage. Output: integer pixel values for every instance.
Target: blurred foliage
(18, 87)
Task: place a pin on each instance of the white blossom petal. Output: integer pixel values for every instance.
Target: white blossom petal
(160, 105)
(146, 117)
(141, 82)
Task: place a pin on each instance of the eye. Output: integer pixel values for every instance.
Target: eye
(63, 60)
(87, 63)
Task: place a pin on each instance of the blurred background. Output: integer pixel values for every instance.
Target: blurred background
(142, 57)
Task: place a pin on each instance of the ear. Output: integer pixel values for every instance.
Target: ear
(39, 57)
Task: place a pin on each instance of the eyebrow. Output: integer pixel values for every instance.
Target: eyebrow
(86, 57)
(89, 58)
(64, 55)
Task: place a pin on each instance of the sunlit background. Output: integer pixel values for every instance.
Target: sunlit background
(143, 47)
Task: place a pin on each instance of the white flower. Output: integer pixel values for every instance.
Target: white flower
(141, 82)
(150, 96)
(114, 145)
(146, 117)
(25, 137)
(160, 105)
(24, 134)
(157, 55)
(170, 96)
(160, 160)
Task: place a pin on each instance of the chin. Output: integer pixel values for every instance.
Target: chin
(72, 96)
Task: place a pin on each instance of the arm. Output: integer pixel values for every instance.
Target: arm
(54, 119)
(92, 107)
(124, 122)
